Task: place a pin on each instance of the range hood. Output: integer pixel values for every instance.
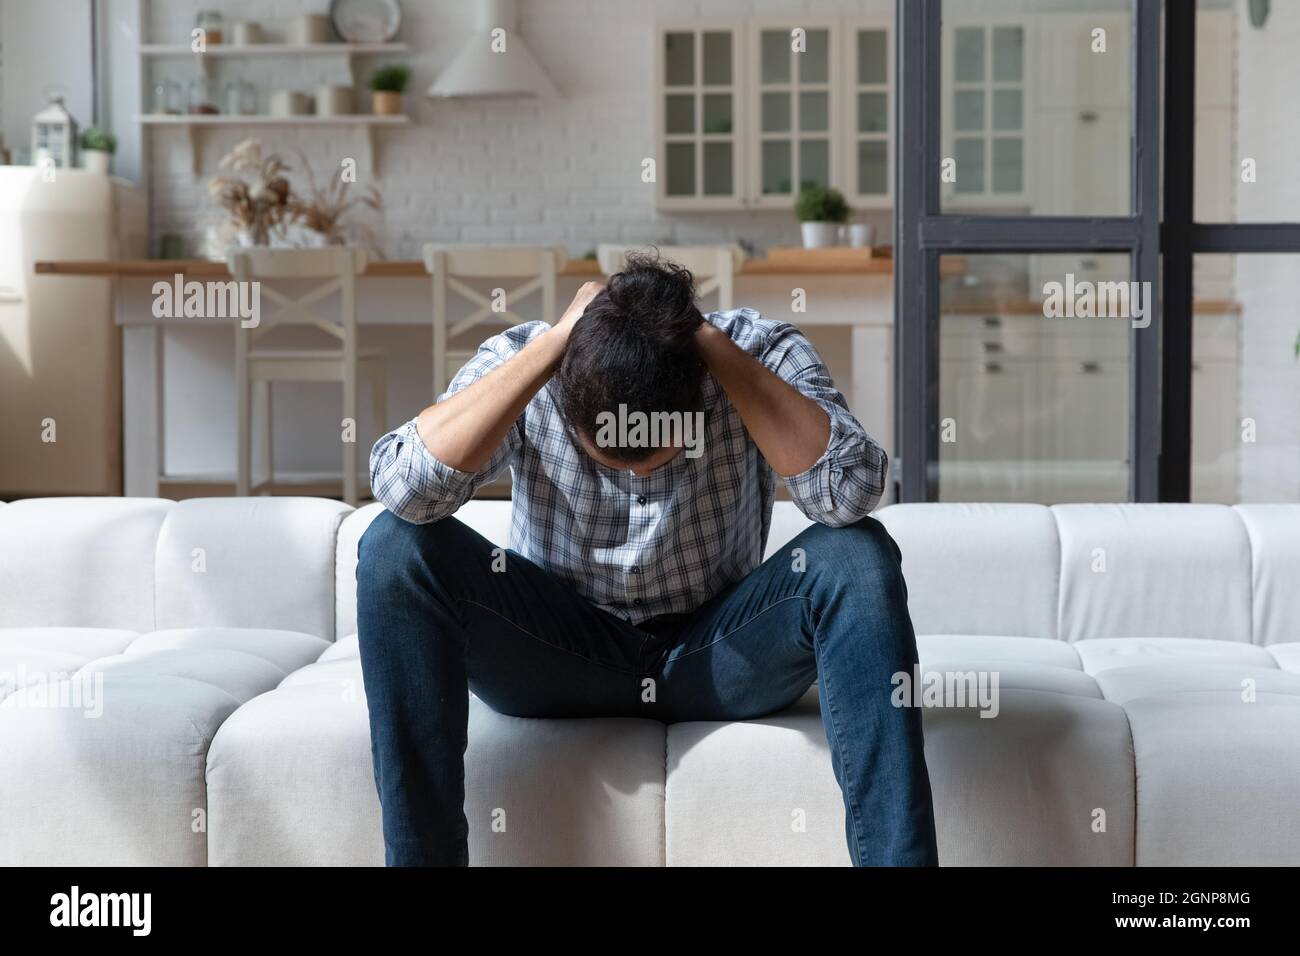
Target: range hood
(480, 70)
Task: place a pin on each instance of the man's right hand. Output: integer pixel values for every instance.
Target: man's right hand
(463, 430)
(587, 292)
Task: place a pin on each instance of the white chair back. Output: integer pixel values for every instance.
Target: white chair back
(714, 267)
(450, 266)
(336, 270)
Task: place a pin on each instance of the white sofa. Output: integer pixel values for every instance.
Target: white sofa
(1148, 659)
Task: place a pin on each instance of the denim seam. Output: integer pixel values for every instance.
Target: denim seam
(849, 795)
(556, 647)
(748, 621)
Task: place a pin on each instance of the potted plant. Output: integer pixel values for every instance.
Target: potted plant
(97, 149)
(821, 210)
(388, 83)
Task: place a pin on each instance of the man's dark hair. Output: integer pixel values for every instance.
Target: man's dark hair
(634, 346)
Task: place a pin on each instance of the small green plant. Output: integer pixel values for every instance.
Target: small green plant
(101, 139)
(390, 79)
(818, 203)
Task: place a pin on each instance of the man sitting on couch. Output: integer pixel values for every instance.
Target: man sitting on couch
(634, 585)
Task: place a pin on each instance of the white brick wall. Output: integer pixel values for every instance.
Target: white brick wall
(508, 171)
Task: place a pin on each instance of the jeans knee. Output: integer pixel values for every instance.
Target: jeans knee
(864, 544)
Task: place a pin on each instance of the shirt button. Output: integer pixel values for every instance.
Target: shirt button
(636, 602)
(634, 570)
(641, 499)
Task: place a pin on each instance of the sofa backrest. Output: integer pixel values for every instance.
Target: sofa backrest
(249, 562)
(79, 562)
(143, 564)
(1067, 572)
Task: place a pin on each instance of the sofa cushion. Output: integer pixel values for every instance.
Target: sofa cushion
(249, 562)
(115, 773)
(1154, 570)
(290, 782)
(1216, 778)
(1020, 789)
(977, 568)
(1275, 570)
(993, 647)
(1286, 655)
(48, 654)
(1102, 653)
(1123, 684)
(285, 650)
(79, 562)
(122, 787)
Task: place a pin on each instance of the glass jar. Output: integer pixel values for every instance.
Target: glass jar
(199, 99)
(212, 24)
(241, 98)
(166, 97)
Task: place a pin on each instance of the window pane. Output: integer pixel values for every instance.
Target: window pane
(717, 59)
(873, 167)
(717, 169)
(1246, 378)
(679, 59)
(1033, 401)
(1247, 127)
(968, 110)
(873, 53)
(1008, 110)
(776, 112)
(679, 113)
(717, 113)
(1073, 132)
(1008, 165)
(970, 56)
(775, 56)
(814, 63)
(814, 112)
(681, 169)
(814, 162)
(873, 113)
(777, 160)
(1008, 54)
(970, 166)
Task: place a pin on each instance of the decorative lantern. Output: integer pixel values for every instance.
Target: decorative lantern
(54, 134)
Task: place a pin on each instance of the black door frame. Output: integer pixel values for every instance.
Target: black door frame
(923, 234)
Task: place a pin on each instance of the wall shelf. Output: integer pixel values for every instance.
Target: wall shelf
(195, 124)
(178, 50)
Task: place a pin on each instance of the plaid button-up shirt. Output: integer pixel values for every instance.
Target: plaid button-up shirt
(659, 544)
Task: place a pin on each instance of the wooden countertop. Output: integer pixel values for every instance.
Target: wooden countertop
(830, 262)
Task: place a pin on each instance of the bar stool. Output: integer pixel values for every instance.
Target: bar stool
(714, 267)
(336, 270)
(450, 266)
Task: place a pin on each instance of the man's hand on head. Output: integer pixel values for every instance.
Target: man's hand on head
(587, 292)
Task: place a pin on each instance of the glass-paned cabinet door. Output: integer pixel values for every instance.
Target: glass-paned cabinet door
(698, 69)
(984, 114)
(794, 105)
(868, 113)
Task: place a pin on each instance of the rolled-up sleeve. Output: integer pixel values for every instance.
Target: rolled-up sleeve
(848, 480)
(414, 484)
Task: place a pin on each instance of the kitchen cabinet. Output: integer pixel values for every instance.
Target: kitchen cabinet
(794, 102)
(747, 111)
(986, 113)
(699, 115)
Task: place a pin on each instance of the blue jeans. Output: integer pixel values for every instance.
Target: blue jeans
(436, 621)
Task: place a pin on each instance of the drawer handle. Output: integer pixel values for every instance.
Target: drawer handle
(1088, 116)
(1087, 263)
(1090, 368)
(991, 348)
(993, 368)
(992, 322)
